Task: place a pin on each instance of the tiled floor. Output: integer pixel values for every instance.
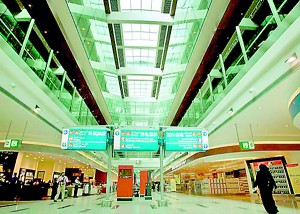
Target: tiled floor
(177, 203)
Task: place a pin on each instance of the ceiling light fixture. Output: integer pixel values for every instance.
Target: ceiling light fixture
(37, 109)
(291, 58)
(231, 112)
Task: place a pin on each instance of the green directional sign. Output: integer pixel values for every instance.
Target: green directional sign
(84, 138)
(13, 143)
(136, 140)
(247, 145)
(186, 140)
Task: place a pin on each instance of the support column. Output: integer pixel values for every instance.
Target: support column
(241, 41)
(210, 86)
(73, 98)
(201, 101)
(107, 202)
(223, 69)
(162, 202)
(274, 11)
(26, 37)
(249, 178)
(63, 84)
(18, 163)
(48, 66)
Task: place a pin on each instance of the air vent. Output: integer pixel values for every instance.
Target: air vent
(162, 35)
(167, 6)
(158, 59)
(114, 5)
(118, 35)
(121, 57)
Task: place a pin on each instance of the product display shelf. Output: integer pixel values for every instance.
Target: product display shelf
(205, 186)
(280, 179)
(233, 185)
(218, 186)
(243, 184)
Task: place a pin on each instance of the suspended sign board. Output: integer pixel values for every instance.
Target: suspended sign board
(84, 138)
(247, 145)
(12, 143)
(186, 140)
(136, 140)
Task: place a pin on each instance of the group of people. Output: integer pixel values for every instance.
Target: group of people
(60, 186)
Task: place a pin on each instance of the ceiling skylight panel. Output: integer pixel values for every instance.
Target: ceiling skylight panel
(135, 4)
(125, 4)
(140, 35)
(112, 85)
(94, 3)
(141, 5)
(133, 77)
(156, 5)
(99, 31)
(145, 28)
(139, 88)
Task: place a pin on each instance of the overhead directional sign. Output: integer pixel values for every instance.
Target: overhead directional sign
(136, 140)
(186, 140)
(84, 138)
(247, 145)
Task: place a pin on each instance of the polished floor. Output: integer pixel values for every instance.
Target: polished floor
(177, 203)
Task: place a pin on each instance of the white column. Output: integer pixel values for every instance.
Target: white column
(241, 41)
(274, 11)
(26, 37)
(223, 69)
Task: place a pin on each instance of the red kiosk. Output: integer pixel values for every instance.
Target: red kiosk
(125, 183)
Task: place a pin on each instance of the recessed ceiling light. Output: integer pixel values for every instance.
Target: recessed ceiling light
(291, 58)
(231, 112)
(45, 32)
(37, 109)
(259, 107)
(286, 125)
(34, 158)
(83, 28)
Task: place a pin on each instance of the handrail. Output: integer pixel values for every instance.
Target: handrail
(4, 24)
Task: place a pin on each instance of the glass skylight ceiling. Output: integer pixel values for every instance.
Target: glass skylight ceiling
(140, 35)
(132, 93)
(141, 5)
(140, 57)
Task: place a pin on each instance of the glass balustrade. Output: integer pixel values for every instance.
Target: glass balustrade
(253, 40)
(11, 32)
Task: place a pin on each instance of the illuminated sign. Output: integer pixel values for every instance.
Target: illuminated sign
(82, 138)
(186, 140)
(136, 140)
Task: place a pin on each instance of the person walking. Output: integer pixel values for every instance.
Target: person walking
(62, 182)
(266, 183)
(77, 183)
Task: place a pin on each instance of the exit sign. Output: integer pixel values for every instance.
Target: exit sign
(247, 145)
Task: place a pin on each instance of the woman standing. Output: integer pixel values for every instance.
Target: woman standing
(266, 183)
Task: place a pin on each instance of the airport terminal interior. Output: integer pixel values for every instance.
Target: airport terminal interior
(149, 106)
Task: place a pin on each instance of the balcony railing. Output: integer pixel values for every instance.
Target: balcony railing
(205, 98)
(59, 84)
